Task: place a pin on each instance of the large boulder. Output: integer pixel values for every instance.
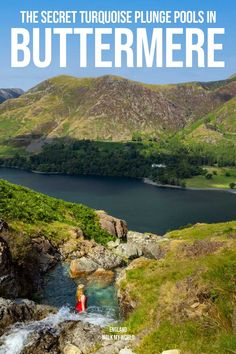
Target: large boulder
(105, 258)
(149, 245)
(82, 266)
(139, 244)
(97, 257)
(114, 226)
(129, 250)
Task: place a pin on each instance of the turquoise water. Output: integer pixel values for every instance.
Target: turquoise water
(59, 290)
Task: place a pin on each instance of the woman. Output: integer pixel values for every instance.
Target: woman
(81, 299)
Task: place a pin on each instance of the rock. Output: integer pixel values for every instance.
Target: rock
(115, 347)
(81, 335)
(154, 251)
(9, 284)
(46, 255)
(96, 257)
(126, 351)
(128, 250)
(195, 305)
(71, 349)
(114, 226)
(171, 351)
(44, 341)
(70, 338)
(75, 246)
(113, 244)
(148, 245)
(82, 266)
(105, 258)
(3, 226)
(20, 310)
(102, 276)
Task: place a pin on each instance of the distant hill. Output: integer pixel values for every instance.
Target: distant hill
(217, 127)
(108, 108)
(6, 94)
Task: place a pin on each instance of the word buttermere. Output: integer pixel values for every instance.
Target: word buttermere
(121, 46)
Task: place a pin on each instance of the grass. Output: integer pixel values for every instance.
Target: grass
(221, 180)
(32, 214)
(165, 291)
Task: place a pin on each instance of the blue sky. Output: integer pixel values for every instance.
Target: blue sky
(30, 76)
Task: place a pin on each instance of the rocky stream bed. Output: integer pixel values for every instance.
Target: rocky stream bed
(49, 324)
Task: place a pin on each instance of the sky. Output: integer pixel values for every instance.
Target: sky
(28, 77)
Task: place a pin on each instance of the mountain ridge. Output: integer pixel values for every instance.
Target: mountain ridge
(109, 108)
(8, 93)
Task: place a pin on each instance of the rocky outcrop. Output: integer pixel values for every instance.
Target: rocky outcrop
(83, 336)
(71, 337)
(82, 266)
(102, 276)
(139, 244)
(46, 255)
(75, 246)
(96, 257)
(20, 310)
(9, 281)
(114, 226)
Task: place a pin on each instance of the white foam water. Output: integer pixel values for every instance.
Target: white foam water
(18, 335)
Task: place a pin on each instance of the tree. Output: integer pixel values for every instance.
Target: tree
(232, 185)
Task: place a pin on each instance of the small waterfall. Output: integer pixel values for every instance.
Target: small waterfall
(19, 334)
(59, 291)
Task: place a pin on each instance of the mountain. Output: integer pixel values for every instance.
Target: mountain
(217, 130)
(6, 94)
(108, 108)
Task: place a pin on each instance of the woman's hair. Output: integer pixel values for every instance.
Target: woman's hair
(79, 293)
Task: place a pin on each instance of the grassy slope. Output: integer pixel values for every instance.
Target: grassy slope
(108, 108)
(216, 131)
(187, 300)
(221, 180)
(32, 214)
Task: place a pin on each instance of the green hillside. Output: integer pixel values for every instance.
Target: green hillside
(31, 214)
(215, 133)
(105, 108)
(186, 300)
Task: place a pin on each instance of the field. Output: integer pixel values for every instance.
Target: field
(222, 178)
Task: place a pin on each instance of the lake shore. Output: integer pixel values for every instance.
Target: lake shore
(149, 181)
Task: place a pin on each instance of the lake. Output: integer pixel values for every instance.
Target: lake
(145, 207)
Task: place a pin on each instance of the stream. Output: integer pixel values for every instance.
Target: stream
(59, 291)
